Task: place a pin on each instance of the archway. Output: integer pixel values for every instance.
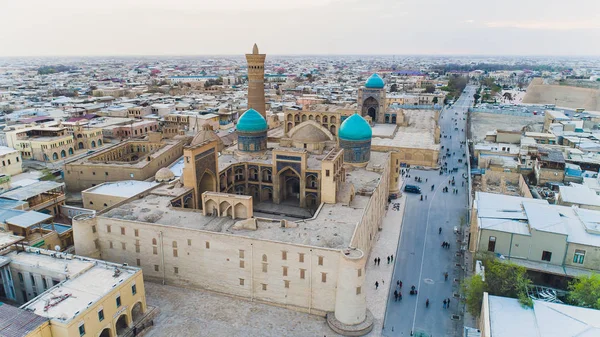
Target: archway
(137, 312)
(80, 145)
(70, 151)
(99, 142)
(332, 129)
(289, 186)
(254, 193)
(240, 211)
(311, 201)
(225, 208)
(266, 194)
(206, 183)
(211, 207)
(105, 333)
(93, 144)
(122, 325)
(54, 156)
(370, 108)
(63, 153)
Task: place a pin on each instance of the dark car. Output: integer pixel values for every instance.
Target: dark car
(412, 189)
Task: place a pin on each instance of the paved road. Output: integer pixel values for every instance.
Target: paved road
(420, 259)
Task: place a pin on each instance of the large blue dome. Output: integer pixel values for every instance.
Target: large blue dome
(374, 82)
(355, 128)
(251, 121)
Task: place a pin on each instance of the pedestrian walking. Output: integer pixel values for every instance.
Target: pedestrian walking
(444, 303)
(395, 295)
(446, 276)
(388, 259)
(440, 230)
(375, 261)
(448, 305)
(392, 257)
(377, 286)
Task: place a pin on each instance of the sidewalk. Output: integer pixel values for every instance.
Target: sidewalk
(385, 245)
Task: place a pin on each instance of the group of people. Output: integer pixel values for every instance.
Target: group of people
(377, 260)
(446, 245)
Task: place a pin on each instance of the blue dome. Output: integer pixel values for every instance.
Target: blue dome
(375, 82)
(251, 121)
(355, 128)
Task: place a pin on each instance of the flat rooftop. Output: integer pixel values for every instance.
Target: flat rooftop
(419, 134)
(30, 191)
(122, 189)
(89, 281)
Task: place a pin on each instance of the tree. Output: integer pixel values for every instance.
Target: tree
(394, 88)
(585, 291)
(476, 97)
(430, 89)
(435, 100)
(473, 288)
(507, 96)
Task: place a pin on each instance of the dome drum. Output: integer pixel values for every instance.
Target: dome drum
(252, 132)
(356, 152)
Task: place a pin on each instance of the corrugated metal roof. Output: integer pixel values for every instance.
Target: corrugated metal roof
(15, 322)
(30, 191)
(28, 219)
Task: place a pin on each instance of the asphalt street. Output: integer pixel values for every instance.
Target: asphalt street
(420, 259)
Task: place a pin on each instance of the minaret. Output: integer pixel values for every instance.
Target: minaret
(256, 81)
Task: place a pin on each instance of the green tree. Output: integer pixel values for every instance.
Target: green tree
(394, 88)
(476, 97)
(430, 89)
(435, 100)
(585, 291)
(473, 288)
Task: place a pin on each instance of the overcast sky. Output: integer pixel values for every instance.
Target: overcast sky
(209, 27)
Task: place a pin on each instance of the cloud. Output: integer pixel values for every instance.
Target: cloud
(545, 25)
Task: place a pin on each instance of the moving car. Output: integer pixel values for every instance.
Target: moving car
(412, 189)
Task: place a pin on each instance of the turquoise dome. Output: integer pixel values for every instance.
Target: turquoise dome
(355, 128)
(374, 82)
(251, 121)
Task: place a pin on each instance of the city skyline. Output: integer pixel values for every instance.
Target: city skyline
(310, 27)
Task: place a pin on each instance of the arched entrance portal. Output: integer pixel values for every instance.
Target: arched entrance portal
(121, 325)
(105, 333)
(206, 183)
(136, 312)
(370, 108)
(289, 186)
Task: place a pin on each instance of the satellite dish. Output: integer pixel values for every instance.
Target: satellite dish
(57, 248)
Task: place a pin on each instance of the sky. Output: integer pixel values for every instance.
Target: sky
(299, 27)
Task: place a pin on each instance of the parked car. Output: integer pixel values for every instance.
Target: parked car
(412, 189)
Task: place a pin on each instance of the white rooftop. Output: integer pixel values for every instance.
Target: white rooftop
(124, 189)
(579, 195)
(508, 319)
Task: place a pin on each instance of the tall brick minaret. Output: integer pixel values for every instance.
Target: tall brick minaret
(256, 81)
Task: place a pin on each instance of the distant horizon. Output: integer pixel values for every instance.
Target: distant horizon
(73, 28)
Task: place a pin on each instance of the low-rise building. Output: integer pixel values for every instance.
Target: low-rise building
(11, 161)
(111, 193)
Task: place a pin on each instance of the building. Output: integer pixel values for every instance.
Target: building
(256, 81)
(111, 193)
(11, 161)
(558, 241)
(76, 296)
(41, 196)
(372, 100)
(578, 195)
(505, 317)
(129, 160)
(22, 323)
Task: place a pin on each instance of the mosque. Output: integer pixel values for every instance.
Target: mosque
(288, 220)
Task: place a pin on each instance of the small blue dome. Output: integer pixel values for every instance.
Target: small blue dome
(355, 128)
(375, 82)
(251, 121)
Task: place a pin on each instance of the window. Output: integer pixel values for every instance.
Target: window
(492, 244)
(264, 258)
(320, 260)
(359, 272)
(82, 329)
(122, 230)
(154, 241)
(358, 290)
(20, 277)
(174, 244)
(133, 289)
(300, 257)
(284, 255)
(264, 286)
(207, 245)
(302, 273)
(241, 281)
(123, 246)
(93, 229)
(137, 246)
(285, 270)
(189, 242)
(323, 277)
(137, 262)
(579, 256)
(327, 173)
(45, 283)
(264, 267)
(175, 253)
(110, 244)
(108, 228)
(176, 270)
(136, 232)
(242, 264)
(546, 256)
(101, 315)
(241, 254)
(155, 267)
(286, 283)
